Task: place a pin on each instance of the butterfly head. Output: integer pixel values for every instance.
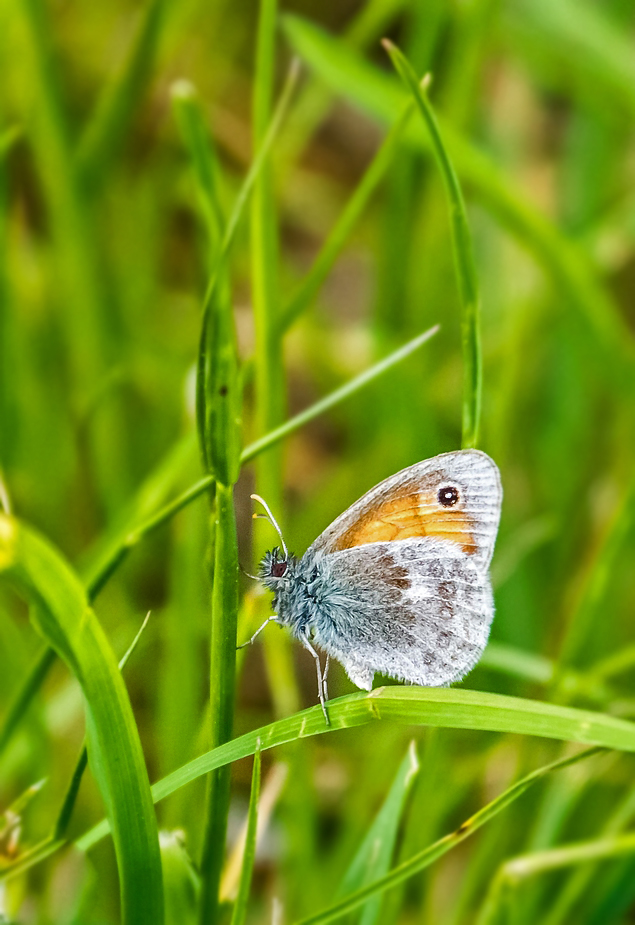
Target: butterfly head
(277, 569)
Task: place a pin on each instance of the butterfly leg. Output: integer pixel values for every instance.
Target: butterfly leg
(324, 677)
(320, 677)
(272, 619)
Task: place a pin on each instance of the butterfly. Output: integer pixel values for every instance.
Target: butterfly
(399, 583)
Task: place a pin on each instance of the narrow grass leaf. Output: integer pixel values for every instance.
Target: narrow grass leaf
(239, 913)
(68, 804)
(285, 430)
(463, 254)
(429, 855)
(376, 851)
(113, 113)
(69, 625)
(450, 708)
(222, 696)
(342, 228)
(380, 97)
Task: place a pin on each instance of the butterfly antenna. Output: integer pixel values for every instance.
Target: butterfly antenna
(272, 520)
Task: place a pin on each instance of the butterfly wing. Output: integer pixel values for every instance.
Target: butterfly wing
(405, 572)
(415, 609)
(455, 496)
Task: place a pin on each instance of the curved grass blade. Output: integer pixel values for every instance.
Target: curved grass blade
(69, 625)
(285, 430)
(64, 817)
(102, 561)
(380, 97)
(451, 708)
(376, 851)
(429, 855)
(249, 855)
(463, 254)
(513, 872)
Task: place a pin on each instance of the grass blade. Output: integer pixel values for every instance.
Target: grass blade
(463, 255)
(324, 261)
(249, 855)
(280, 433)
(429, 855)
(568, 266)
(376, 851)
(418, 706)
(114, 110)
(66, 621)
(222, 695)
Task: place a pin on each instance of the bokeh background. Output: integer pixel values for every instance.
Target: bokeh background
(104, 260)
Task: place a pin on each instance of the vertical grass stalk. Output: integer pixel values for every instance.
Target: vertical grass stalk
(264, 245)
(222, 689)
(463, 255)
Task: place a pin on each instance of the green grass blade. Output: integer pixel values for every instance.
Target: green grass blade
(240, 906)
(68, 804)
(67, 623)
(463, 255)
(376, 851)
(114, 110)
(517, 870)
(101, 562)
(193, 129)
(222, 696)
(285, 430)
(30, 686)
(568, 266)
(219, 392)
(338, 235)
(429, 855)
(417, 706)
(334, 398)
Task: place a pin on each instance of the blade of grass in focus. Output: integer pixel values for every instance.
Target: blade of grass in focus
(377, 95)
(463, 256)
(456, 709)
(67, 623)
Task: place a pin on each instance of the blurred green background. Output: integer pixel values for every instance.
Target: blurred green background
(104, 261)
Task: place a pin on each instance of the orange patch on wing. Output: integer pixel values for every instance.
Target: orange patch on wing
(411, 516)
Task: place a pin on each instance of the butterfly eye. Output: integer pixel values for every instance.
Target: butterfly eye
(448, 495)
(278, 569)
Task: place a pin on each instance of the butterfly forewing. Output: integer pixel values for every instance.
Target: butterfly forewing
(455, 496)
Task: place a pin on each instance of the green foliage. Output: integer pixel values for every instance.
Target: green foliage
(225, 232)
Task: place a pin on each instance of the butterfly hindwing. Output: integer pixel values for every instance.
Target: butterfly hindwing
(415, 610)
